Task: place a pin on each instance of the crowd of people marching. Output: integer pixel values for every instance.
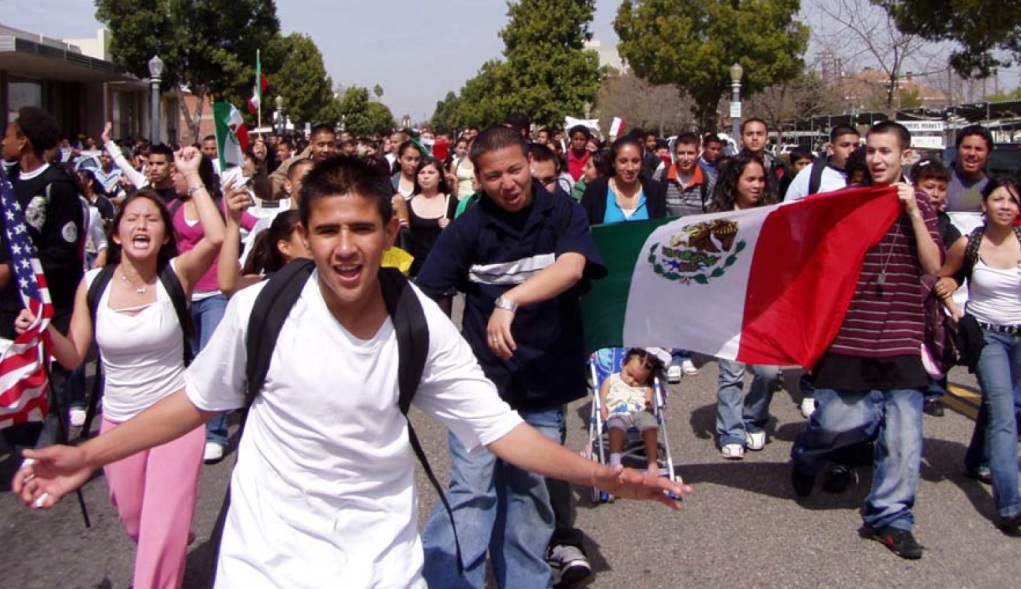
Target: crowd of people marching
(165, 270)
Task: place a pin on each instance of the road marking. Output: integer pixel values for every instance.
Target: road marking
(963, 401)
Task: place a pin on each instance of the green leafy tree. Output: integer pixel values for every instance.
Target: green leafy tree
(302, 81)
(361, 116)
(445, 116)
(693, 43)
(546, 72)
(987, 32)
(207, 45)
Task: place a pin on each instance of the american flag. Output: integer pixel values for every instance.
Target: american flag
(23, 376)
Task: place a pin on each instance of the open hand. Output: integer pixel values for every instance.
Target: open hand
(49, 474)
(105, 137)
(628, 483)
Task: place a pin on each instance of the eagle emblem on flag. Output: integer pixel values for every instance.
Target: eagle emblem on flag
(700, 252)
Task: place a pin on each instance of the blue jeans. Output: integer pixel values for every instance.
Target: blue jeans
(892, 418)
(937, 388)
(499, 510)
(736, 413)
(206, 314)
(994, 440)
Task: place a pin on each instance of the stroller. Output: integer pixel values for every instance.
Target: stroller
(602, 364)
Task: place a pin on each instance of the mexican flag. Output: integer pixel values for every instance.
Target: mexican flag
(231, 135)
(769, 285)
(259, 87)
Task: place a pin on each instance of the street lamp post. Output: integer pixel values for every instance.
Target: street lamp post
(155, 71)
(736, 72)
(279, 115)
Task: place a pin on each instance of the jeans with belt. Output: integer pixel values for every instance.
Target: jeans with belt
(995, 435)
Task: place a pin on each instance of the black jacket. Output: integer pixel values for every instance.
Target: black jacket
(594, 199)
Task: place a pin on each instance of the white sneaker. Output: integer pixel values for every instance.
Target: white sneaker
(77, 417)
(756, 440)
(213, 453)
(568, 564)
(732, 451)
(807, 407)
(689, 367)
(673, 374)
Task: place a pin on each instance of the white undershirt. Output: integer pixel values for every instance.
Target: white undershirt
(323, 492)
(142, 352)
(994, 295)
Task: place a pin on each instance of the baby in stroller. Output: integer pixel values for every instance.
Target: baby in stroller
(626, 400)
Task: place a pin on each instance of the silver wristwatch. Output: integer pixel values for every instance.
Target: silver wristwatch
(502, 303)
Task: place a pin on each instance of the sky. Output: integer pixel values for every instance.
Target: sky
(417, 50)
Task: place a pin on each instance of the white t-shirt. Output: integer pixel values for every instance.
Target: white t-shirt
(143, 353)
(832, 179)
(323, 492)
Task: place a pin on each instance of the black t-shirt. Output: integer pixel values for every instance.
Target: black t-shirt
(55, 219)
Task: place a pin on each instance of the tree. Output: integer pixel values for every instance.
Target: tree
(875, 37)
(804, 96)
(693, 43)
(546, 72)
(361, 116)
(979, 28)
(643, 105)
(377, 90)
(207, 45)
(302, 80)
(444, 117)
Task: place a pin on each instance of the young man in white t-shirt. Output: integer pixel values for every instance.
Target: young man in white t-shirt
(323, 492)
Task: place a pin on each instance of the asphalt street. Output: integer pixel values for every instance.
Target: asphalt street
(742, 526)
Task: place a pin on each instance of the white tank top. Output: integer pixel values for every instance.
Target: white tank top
(994, 294)
(143, 353)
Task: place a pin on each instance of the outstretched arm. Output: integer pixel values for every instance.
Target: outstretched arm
(58, 470)
(134, 176)
(528, 449)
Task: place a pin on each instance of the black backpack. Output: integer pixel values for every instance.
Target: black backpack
(273, 306)
(172, 284)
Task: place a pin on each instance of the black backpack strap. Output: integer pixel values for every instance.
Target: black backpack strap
(704, 188)
(412, 332)
(174, 205)
(176, 292)
(99, 284)
(271, 309)
(272, 306)
(971, 250)
(815, 176)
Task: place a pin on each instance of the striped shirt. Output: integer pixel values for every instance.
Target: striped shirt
(886, 316)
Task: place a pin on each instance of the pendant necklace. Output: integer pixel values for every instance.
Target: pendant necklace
(138, 289)
(881, 280)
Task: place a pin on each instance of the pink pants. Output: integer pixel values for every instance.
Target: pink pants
(154, 492)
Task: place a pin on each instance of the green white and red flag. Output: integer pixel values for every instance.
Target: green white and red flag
(259, 87)
(769, 285)
(231, 134)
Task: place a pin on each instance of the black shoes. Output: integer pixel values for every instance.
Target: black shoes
(838, 479)
(933, 407)
(982, 474)
(1011, 526)
(900, 542)
(801, 482)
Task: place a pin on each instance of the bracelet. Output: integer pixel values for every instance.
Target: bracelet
(192, 190)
